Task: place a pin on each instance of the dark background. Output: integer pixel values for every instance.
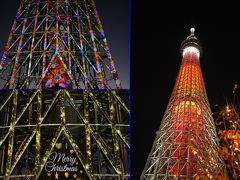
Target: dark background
(158, 30)
(115, 18)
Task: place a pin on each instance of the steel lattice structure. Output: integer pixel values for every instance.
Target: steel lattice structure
(58, 43)
(186, 145)
(93, 125)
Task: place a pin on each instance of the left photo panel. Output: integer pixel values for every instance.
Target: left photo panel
(64, 89)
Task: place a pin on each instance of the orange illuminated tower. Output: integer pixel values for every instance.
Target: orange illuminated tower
(186, 144)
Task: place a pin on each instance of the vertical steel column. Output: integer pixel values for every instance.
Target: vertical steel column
(32, 44)
(62, 108)
(87, 131)
(99, 72)
(11, 134)
(16, 64)
(116, 148)
(38, 131)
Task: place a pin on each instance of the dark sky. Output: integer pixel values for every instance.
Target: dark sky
(158, 31)
(115, 19)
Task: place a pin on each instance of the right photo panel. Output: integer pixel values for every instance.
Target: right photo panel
(186, 123)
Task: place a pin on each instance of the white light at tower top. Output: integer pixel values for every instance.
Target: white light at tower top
(191, 49)
(192, 30)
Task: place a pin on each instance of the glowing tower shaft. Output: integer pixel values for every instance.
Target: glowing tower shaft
(186, 143)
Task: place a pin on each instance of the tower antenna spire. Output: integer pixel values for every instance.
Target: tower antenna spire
(192, 30)
(191, 41)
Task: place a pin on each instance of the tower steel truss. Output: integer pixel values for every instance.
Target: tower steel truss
(58, 42)
(91, 125)
(186, 144)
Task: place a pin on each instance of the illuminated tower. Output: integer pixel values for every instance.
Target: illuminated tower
(64, 134)
(186, 144)
(57, 43)
(71, 125)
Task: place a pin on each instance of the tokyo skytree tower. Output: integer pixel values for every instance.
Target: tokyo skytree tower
(186, 142)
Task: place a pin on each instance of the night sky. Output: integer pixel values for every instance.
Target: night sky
(115, 19)
(158, 31)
